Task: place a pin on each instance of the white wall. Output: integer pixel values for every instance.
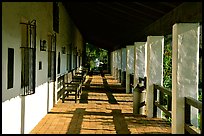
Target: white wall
(16, 109)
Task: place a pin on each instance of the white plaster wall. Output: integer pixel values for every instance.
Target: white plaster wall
(139, 66)
(155, 47)
(50, 95)
(68, 33)
(36, 105)
(11, 116)
(12, 14)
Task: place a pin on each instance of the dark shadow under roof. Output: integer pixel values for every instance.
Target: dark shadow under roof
(113, 25)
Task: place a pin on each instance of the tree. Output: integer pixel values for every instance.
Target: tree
(93, 53)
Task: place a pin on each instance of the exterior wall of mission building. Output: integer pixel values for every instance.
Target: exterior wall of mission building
(20, 114)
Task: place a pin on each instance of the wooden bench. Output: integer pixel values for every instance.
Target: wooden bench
(75, 85)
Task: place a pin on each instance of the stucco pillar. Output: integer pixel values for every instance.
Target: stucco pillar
(185, 60)
(111, 63)
(129, 65)
(119, 64)
(123, 66)
(155, 47)
(115, 64)
(139, 71)
(139, 61)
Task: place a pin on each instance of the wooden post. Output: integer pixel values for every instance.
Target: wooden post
(187, 114)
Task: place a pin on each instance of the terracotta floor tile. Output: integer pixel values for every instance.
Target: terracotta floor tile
(103, 113)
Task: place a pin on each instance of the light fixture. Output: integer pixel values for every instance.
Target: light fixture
(42, 45)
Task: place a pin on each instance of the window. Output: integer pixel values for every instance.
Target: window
(52, 57)
(40, 65)
(28, 56)
(68, 62)
(74, 61)
(74, 57)
(56, 17)
(10, 68)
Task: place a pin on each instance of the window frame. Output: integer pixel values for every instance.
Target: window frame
(52, 57)
(28, 54)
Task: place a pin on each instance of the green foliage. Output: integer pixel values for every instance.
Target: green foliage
(167, 67)
(92, 53)
(167, 62)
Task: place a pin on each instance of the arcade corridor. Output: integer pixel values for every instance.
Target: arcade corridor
(44, 52)
(103, 108)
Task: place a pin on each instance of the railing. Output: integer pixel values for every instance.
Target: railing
(60, 81)
(189, 128)
(160, 102)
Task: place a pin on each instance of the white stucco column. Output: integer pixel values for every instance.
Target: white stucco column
(111, 63)
(123, 66)
(119, 64)
(155, 47)
(115, 64)
(129, 65)
(139, 71)
(139, 61)
(185, 60)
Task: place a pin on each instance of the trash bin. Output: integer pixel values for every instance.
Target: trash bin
(131, 82)
(123, 78)
(119, 75)
(139, 96)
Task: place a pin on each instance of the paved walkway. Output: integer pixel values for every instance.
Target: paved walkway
(103, 108)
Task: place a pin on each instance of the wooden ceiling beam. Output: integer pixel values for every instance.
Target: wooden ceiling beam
(148, 7)
(168, 4)
(127, 14)
(187, 12)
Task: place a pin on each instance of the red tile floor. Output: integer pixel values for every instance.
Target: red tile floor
(103, 108)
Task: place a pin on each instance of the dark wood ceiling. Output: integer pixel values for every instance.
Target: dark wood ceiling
(113, 25)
